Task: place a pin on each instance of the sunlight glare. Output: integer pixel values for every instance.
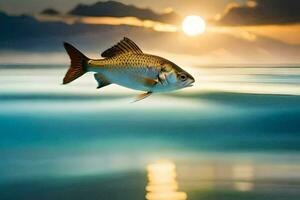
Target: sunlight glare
(193, 25)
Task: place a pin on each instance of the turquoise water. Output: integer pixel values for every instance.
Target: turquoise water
(234, 135)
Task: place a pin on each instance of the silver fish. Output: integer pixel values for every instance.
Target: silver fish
(125, 64)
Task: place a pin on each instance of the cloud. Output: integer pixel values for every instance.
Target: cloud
(118, 9)
(262, 12)
(220, 45)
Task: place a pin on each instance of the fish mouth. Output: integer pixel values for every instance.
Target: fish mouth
(190, 83)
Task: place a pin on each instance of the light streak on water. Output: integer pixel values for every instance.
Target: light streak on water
(162, 183)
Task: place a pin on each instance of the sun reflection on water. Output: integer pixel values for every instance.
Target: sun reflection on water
(162, 183)
(243, 176)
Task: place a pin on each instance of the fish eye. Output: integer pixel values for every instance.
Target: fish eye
(183, 77)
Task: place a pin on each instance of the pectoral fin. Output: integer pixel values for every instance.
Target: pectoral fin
(142, 96)
(102, 81)
(148, 82)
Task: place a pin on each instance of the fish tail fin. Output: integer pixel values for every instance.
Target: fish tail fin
(78, 64)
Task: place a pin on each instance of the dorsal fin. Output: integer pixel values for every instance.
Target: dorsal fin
(124, 46)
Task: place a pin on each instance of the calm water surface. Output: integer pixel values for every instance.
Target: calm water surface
(234, 135)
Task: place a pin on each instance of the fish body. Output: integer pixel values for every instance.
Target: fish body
(126, 65)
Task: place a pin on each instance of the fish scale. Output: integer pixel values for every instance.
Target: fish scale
(131, 62)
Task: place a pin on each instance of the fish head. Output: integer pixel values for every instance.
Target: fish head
(174, 78)
(184, 79)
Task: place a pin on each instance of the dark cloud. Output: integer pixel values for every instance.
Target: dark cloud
(261, 12)
(117, 9)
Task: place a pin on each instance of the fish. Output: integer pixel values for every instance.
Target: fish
(125, 64)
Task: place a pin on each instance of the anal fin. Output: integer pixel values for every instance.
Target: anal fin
(102, 81)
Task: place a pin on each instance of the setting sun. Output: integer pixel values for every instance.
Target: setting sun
(193, 25)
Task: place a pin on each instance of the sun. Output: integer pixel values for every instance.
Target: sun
(193, 25)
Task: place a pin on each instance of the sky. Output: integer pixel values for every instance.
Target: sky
(201, 7)
(239, 31)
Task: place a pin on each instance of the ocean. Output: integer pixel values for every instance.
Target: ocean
(234, 135)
